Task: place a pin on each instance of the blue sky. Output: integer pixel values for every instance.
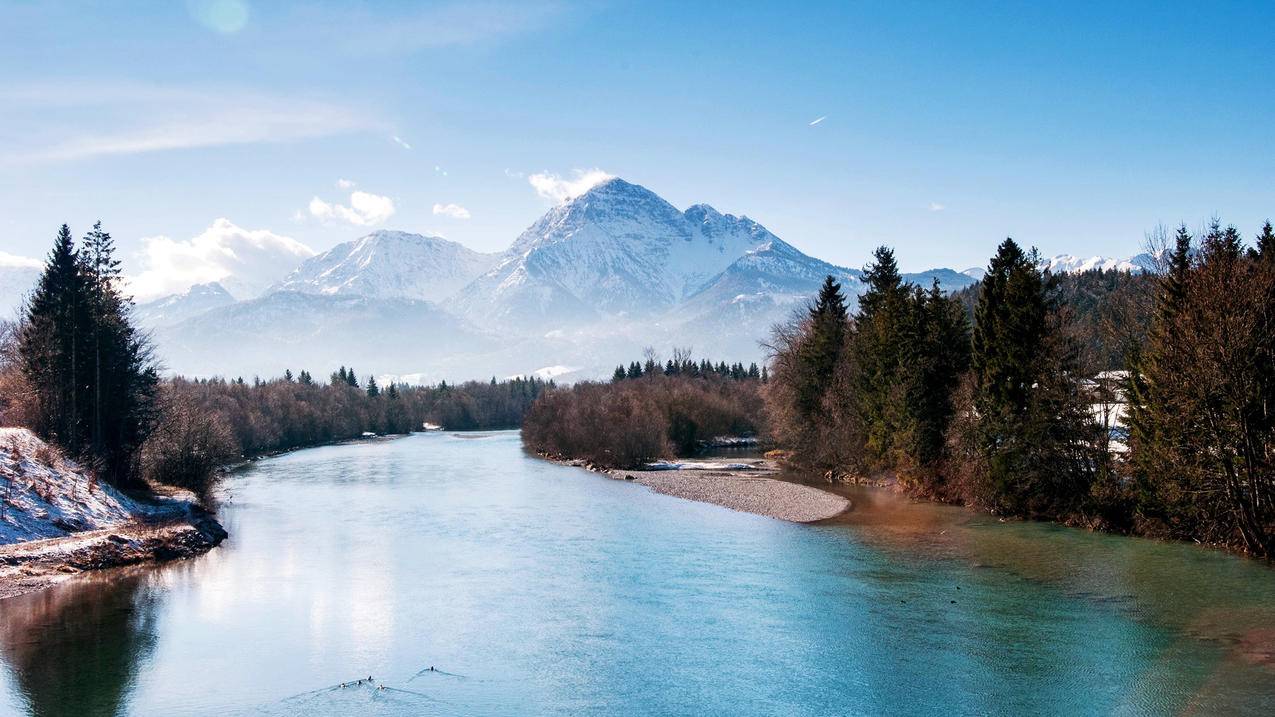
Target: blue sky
(1073, 127)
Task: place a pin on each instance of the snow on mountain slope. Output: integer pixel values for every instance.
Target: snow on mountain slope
(1069, 264)
(617, 249)
(390, 265)
(774, 274)
(179, 307)
(732, 314)
(288, 329)
(18, 276)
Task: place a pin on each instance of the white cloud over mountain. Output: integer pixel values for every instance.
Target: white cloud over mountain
(455, 211)
(245, 261)
(365, 209)
(559, 189)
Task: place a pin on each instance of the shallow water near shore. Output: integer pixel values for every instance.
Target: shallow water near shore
(536, 588)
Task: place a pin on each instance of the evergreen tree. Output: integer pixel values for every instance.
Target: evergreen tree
(619, 374)
(372, 390)
(351, 378)
(91, 371)
(936, 354)
(287, 375)
(51, 340)
(1266, 242)
(881, 334)
(1034, 430)
(818, 354)
(635, 370)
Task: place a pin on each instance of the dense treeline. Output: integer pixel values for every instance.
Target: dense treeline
(682, 365)
(1108, 311)
(210, 422)
(1003, 411)
(653, 415)
(871, 392)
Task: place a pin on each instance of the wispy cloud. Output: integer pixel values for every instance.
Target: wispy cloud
(345, 183)
(559, 189)
(46, 123)
(936, 207)
(365, 209)
(455, 211)
(399, 141)
(817, 121)
(245, 261)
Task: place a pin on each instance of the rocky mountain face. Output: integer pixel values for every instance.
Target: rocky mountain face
(175, 308)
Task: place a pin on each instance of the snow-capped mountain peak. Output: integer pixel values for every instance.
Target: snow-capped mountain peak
(390, 264)
(617, 249)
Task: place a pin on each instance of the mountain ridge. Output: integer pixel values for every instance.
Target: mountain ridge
(587, 284)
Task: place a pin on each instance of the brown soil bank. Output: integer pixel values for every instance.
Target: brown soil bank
(39, 564)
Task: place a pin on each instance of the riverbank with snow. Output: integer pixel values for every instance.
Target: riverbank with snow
(57, 520)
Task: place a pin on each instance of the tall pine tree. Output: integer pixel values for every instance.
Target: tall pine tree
(879, 343)
(91, 372)
(818, 354)
(1034, 428)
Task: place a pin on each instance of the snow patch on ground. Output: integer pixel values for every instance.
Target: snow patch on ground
(697, 466)
(44, 495)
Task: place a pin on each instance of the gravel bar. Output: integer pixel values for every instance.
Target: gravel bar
(749, 491)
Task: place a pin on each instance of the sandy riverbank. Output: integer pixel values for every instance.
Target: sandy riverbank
(748, 486)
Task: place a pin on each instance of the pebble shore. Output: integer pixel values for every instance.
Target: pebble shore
(749, 490)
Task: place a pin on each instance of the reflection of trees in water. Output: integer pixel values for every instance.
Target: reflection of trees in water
(75, 649)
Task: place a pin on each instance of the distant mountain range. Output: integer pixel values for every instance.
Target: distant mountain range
(390, 265)
(585, 287)
(18, 276)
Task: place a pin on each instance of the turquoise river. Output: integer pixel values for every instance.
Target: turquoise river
(538, 589)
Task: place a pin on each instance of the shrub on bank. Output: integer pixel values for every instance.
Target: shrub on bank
(627, 423)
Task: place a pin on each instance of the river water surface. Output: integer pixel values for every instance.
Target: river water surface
(534, 588)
